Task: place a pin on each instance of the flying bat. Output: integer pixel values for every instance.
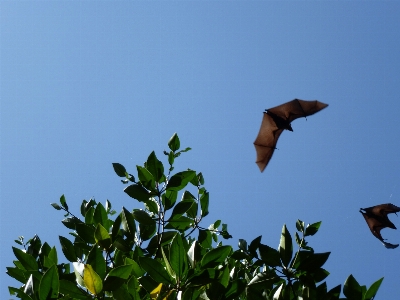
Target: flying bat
(377, 219)
(275, 120)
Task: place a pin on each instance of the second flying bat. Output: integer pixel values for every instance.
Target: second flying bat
(277, 119)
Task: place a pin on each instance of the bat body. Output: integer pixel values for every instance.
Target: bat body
(377, 219)
(277, 119)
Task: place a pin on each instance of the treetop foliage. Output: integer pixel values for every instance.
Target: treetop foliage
(162, 252)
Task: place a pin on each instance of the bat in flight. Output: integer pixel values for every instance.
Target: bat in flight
(377, 219)
(277, 119)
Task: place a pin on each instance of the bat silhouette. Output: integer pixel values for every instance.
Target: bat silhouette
(275, 120)
(377, 219)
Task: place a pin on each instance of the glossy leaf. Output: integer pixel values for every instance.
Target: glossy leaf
(70, 288)
(63, 202)
(137, 192)
(146, 178)
(174, 144)
(312, 228)
(285, 247)
(155, 167)
(143, 217)
(96, 260)
(68, 249)
(102, 237)
(269, 256)
(352, 289)
(373, 289)
(27, 260)
(92, 280)
(204, 202)
(182, 207)
(178, 256)
(49, 284)
(100, 216)
(169, 199)
(180, 223)
(155, 270)
(128, 223)
(215, 256)
(86, 232)
(119, 169)
(179, 180)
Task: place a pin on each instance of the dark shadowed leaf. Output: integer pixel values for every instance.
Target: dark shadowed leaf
(179, 180)
(351, 289)
(119, 169)
(137, 192)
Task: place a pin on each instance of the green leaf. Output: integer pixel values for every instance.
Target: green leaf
(264, 279)
(70, 288)
(169, 199)
(300, 225)
(180, 223)
(19, 293)
(26, 260)
(49, 284)
(168, 267)
(96, 260)
(136, 269)
(285, 247)
(147, 231)
(351, 289)
(312, 229)
(204, 202)
(242, 245)
(155, 166)
(373, 289)
(205, 238)
(269, 256)
(155, 270)
(143, 217)
(174, 143)
(86, 232)
(178, 257)
(179, 180)
(137, 192)
(313, 262)
(100, 216)
(89, 216)
(182, 207)
(102, 237)
(53, 255)
(119, 169)
(215, 256)
(63, 202)
(92, 280)
(128, 223)
(152, 206)
(68, 249)
(146, 178)
(56, 206)
(17, 274)
(122, 272)
(254, 246)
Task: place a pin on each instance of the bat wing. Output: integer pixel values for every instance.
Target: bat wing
(297, 108)
(377, 219)
(266, 140)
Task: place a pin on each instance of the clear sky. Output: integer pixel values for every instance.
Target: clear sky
(88, 83)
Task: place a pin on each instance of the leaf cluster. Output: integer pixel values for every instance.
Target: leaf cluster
(162, 252)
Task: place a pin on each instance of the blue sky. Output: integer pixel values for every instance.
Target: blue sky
(88, 83)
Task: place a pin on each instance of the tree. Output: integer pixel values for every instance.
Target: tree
(152, 253)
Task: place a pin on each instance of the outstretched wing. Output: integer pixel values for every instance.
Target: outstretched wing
(377, 219)
(266, 140)
(297, 108)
